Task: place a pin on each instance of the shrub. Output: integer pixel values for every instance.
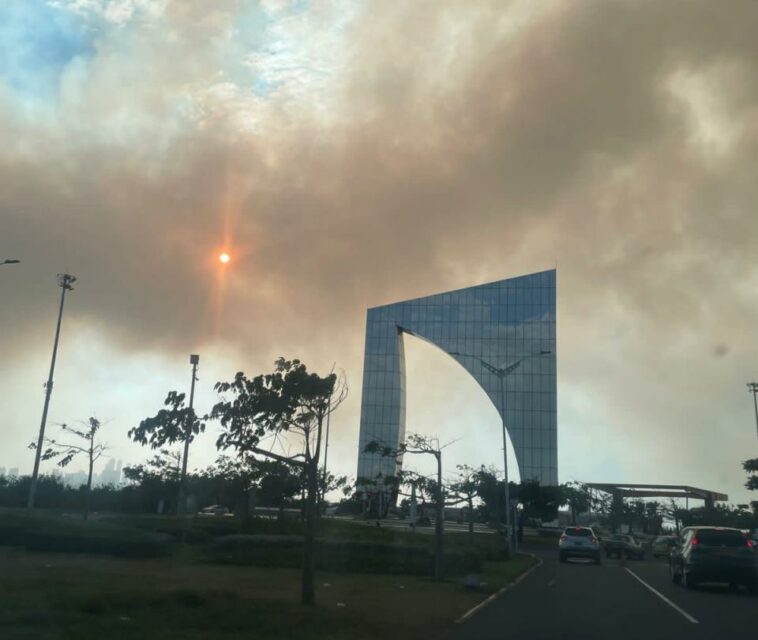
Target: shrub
(340, 556)
(49, 533)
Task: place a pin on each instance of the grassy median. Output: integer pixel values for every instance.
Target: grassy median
(183, 594)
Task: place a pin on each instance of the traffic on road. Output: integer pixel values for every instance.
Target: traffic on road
(591, 588)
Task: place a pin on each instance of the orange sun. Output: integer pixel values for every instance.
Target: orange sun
(224, 258)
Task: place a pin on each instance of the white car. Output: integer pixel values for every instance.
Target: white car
(579, 542)
(214, 510)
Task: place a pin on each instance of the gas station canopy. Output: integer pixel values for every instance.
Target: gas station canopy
(627, 490)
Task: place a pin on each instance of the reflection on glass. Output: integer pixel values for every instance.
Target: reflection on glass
(499, 323)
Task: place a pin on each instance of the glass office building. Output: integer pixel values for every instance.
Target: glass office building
(503, 334)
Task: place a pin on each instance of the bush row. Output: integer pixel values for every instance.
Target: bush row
(36, 533)
(340, 556)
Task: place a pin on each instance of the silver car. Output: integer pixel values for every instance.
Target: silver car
(579, 542)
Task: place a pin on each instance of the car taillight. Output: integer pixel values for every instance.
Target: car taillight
(695, 542)
(593, 540)
(749, 544)
(564, 537)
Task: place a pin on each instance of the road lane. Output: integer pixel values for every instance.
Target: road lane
(720, 612)
(577, 600)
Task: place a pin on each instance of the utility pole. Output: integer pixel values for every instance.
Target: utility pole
(65, 282)
(753, 388)
(194, 361)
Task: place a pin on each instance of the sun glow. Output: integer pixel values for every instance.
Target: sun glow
(224, 258)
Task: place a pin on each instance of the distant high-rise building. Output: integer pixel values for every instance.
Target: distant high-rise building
(75, 479)
(111, 474)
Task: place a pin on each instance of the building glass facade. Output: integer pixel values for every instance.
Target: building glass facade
(497, 324)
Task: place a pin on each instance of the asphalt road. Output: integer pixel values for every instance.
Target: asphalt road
(580, 601)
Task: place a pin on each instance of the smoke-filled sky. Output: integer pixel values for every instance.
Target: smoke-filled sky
(352, 153)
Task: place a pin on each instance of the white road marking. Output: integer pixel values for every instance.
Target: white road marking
(497, 594)
(664, 598)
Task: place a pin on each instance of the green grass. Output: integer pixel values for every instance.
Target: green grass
(341, 545)
(545, 541)
(496, 575)
(124, 577)
(84, 597)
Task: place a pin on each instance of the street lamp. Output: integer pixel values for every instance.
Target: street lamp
(65, 282)
(753, 388)
(501, 374)
(180, 507)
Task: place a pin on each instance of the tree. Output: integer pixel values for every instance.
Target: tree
(156, 478)
(289, 401)
(672, 511)
(618, 511)
(653, 519)
(373, 492)
(577, 496)
(66, 452)
(232, 480)
(164, 466)
(464, 489)
(329, 482)
(492, 493)
(751, 468)
(177, 423)
(418, 444)
(540, 502)
(279, 483)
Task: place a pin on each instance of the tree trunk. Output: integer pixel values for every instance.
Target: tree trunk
(89, 489)
(438, 529)
(471, 519)
(308, 593)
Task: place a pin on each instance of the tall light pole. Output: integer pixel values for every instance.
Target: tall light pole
(65, 282)
(753, 388)
(501, 374)
(194, 361)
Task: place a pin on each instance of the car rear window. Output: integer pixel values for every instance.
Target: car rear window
(721, 538)
(571, 531)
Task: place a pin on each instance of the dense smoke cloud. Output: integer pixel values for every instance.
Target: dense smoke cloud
(351, 154)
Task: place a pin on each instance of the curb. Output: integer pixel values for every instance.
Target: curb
(500, 591)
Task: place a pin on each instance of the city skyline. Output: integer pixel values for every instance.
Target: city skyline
(109, 474)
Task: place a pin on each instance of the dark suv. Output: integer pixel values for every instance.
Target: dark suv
(714, 554)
